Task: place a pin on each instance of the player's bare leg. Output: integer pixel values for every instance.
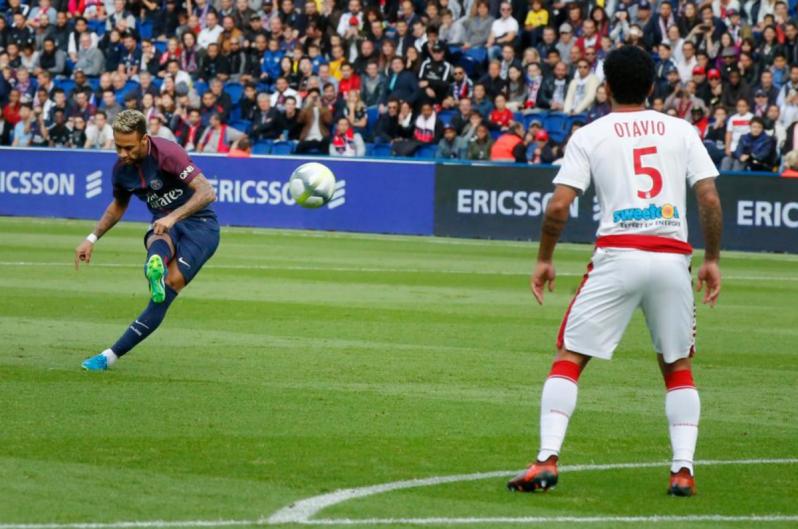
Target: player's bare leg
(557, 404)
(683, 409)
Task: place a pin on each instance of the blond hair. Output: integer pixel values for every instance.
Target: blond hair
(129, 121)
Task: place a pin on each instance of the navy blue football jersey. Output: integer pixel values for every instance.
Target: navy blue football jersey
(160, 180)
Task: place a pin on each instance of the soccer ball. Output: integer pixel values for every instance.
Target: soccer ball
(312, 185)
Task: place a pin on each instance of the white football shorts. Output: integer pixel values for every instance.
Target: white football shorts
(617, 282)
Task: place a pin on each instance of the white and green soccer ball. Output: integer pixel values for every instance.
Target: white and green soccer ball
(312, 185)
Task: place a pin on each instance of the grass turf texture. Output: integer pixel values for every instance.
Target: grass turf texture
(299, 363)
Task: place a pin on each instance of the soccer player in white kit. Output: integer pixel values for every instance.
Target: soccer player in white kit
(641, 163)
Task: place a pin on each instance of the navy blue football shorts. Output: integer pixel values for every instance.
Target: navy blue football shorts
(195, 240)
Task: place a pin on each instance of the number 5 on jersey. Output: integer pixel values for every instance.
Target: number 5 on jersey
(651, 172)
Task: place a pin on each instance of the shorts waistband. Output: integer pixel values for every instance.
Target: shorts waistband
(646, 243)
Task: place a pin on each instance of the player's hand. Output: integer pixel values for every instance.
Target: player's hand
(709, 273)
(163, 225)
(544, 273)
(83, 253)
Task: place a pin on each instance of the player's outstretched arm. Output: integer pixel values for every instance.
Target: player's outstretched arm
(711, 216)
(113, 213)
(553, 223)
(203, 195)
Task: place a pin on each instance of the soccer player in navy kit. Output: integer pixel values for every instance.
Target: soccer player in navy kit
(184, 233)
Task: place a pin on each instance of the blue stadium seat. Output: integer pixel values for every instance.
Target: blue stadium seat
(282, 147)
(262, 147)
(573, 119)
(94, 82)
(235, 114)
(235, 91)
(242, 124)
(555, 124)
(372, 115)
(157, 82)
(446, 116)
(201, 87)
(479, 55)
(518, 117)
(529, 118)
(369, 149)
(145, 30)
(426, 152)
(381, 149)
(494, 134)
(469, 64)
(160, 46)
(130, 86)
(67, 85)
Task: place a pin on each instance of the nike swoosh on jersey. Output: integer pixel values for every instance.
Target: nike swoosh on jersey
(183, 262)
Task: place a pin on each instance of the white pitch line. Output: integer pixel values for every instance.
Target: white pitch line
(133, 525)
(303, 510)
(364, 269)
(300, 512)
(530, 520)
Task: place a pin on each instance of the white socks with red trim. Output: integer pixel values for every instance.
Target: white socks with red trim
(683, 409)
(557, 404)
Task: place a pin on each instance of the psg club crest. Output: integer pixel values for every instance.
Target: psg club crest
(156, 184)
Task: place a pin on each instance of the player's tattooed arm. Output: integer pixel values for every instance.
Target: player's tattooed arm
(113, 214)
(203, 195)
(554, 220)
(711, 215)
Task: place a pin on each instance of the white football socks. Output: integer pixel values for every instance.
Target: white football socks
(557, 403)
(110, 357)
(683, 409)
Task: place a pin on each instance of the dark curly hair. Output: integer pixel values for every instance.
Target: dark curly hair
(629, 71)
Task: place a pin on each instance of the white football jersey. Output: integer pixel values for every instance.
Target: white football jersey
(641, 163)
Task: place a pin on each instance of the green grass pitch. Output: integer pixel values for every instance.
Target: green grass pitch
(300, 363)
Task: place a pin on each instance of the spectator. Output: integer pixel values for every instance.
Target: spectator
(738, 125)
(461, 87)
(545, 150)
(315, 120)
(427, 130)
(435, 74)
(504, 30)
(501, 117)
(346, 141)
(211, 32)
(157, 130)
(372, 86)
(791, 165)
(52, 59)
(110, 105)
(77, 137)
(188, 128)
(492, 80)
(218, 136)
(479, 148)
(601, 105)
(755, 150)
(58, 133)
(478, 27)
(88, 58)
(516, 89)
(266, 121)
(240, 148)
(509, 147)
(581, 90)
(213, 65)
(291, 126)
(387, 128)
(99, 134)
(402, 84)
(282, 92)
(450, 146)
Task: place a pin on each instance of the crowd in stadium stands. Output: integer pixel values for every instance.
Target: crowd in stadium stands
(452, 79)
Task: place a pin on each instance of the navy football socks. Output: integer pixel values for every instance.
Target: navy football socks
(162, 248)
(145, 324)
